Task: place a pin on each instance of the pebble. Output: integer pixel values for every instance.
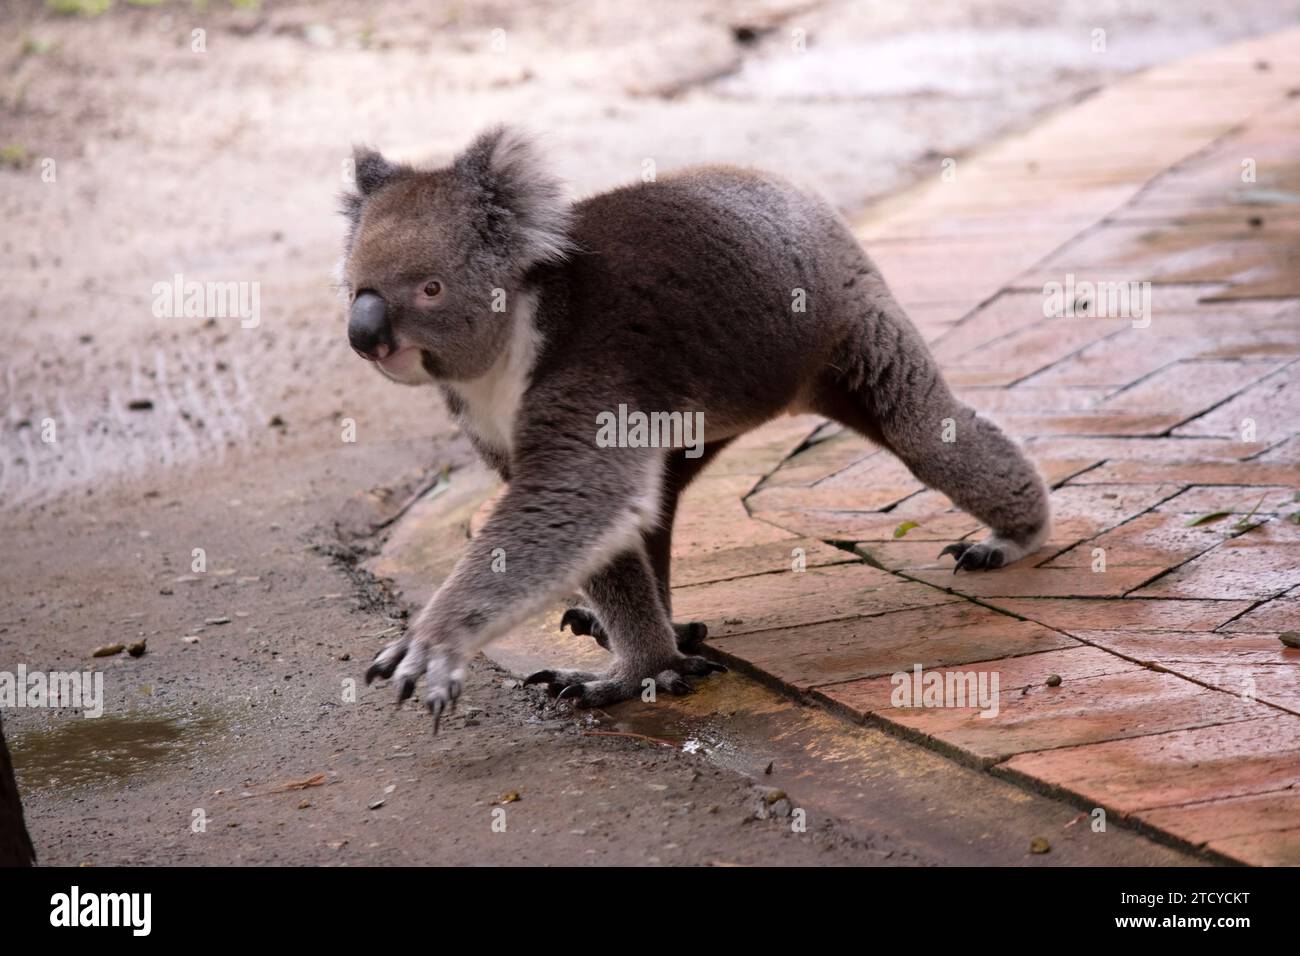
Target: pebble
(108, 650)
(1290, 638)
(137, 649)
(217, 620)
(1054, 680)
(1039, 845)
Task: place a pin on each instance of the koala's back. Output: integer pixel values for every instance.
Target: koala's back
(714, 268)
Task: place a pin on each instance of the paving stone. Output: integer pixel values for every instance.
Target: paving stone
(793, 598)
(1271, 407)
(1181, 767)
(762, 450)
(1023, 580)
(1274, 848)
(832, 525)
(866, 496)
(723, 564)
(1153, 540)
(1216, 821)
(1008, 312)
(1080, 512)
(832, 450)
(875, 695)
(1261, 563)
(1103, 614)
(1190, 473)
(1275, 616)
(1189, 388)
(1238, 500)
(1021, 354)
(1168, 648)
(1274, 684)
(1093, 422)
(1129, 703)
(712, 515)
(845, 650)
(1140, 449)
(1023, 400)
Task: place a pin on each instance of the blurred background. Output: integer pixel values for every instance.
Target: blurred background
(210, 139)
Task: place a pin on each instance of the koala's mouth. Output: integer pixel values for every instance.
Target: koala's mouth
(408, 363)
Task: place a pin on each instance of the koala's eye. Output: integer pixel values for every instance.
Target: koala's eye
(432, 289)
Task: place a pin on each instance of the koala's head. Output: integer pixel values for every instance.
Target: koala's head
(434, 258)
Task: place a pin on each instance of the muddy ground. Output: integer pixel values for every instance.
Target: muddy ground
(172, 434)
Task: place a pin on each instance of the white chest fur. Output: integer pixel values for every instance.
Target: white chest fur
(491, 401)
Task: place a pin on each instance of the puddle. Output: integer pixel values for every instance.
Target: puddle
(86, 753)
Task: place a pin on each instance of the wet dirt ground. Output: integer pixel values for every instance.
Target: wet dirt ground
(173, 434)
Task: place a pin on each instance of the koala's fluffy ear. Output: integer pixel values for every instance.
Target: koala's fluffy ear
(521, 206)
(370, 172)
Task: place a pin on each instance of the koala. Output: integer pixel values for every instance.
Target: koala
(718, 291)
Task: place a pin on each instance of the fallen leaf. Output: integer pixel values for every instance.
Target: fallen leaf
(905, 527)
(1206, 519)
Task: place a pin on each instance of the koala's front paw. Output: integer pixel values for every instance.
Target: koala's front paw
(984, 555)
(410, 656)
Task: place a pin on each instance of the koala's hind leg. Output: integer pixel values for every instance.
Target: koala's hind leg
(679, 471)
(624, 595)
(887, 386)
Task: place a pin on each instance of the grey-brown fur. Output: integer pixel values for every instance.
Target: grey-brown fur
(674, 295)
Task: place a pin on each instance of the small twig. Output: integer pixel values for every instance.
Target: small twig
(620, 733)
(425, 487)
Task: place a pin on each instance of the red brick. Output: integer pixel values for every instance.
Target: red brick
(794, 598)
(1273, 405)
(1075, 614)
(1274, 684)
(723, 564)
(1023, 580)
(874, 695)
(1149, 540)
(867, 646)
(1220, 820)
(1274, 848)
(1185, 766)
(1170, 648)
(1279, 614)
(1128, 702)
(1261, 563)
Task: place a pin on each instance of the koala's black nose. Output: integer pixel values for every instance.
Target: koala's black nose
(368, 327)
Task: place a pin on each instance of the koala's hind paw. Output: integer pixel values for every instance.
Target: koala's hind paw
(581, 620)
(984, 555)
(590, 690)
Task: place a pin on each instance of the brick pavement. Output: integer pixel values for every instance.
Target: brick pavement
(1178, 707)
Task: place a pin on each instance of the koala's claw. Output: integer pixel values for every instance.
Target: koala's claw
(557, 682)
(974, 557)
(581, 620)
(442, 700)
(386, 661)
(591, 690)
